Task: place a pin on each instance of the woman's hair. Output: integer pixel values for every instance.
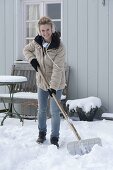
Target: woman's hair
(55, 35)
(46, 20)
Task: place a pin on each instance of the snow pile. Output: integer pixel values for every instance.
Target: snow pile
(86, 104)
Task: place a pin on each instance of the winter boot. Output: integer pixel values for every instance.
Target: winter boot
(41, 137)
(54, 141)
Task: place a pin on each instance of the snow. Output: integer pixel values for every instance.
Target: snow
(26, 95)
(19, 150)
(12, 78)
(21, 62)
(107, 115)
(86, 103)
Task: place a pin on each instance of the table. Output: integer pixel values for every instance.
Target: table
(10, 81)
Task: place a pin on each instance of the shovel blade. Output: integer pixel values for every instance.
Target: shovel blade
(82, 147)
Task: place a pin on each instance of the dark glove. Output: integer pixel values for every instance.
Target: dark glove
(51, 91)
(35, 64)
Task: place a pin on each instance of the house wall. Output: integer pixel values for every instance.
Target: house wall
(88, 39)
(6, 37)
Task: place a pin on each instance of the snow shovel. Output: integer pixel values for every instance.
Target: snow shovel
(79, 147)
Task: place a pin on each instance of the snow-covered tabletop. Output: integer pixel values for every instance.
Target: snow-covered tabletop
(5, 80)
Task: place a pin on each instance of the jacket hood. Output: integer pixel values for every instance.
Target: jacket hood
(53, 44)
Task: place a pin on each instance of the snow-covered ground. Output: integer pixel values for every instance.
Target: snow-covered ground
(19, 150)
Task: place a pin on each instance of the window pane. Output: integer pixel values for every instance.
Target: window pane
(32, 12)
(31, 29)
(54, 10)
(57, 26)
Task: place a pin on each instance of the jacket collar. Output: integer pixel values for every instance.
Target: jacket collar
(39, 40)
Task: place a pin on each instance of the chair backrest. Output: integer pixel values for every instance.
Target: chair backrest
(25, 69)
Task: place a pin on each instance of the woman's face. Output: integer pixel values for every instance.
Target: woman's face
(46, 32)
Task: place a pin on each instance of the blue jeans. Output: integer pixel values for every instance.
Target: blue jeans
(55, 112)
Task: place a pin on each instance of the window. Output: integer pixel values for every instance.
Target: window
(33, 10)
(54, 12)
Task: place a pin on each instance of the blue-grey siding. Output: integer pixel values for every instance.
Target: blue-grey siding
(89, 38)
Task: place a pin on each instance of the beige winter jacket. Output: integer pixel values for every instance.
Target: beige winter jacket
(54, 72)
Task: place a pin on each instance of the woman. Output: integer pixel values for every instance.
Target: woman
(47, 52)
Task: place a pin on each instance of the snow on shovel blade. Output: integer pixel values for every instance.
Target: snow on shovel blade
(82, 147)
